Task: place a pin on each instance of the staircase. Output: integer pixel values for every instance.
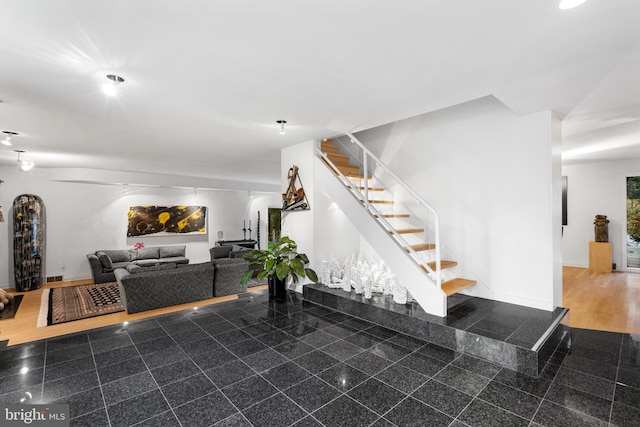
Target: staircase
(410, 223)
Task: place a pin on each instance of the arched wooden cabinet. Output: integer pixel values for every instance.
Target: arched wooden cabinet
(28, 242)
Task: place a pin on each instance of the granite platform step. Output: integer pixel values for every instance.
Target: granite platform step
(519, 338)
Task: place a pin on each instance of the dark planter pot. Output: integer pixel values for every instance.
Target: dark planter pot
(277, 287)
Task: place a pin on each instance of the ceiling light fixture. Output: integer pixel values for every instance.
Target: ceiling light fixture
(24, 165)
(110, 88)
(570, 4)
(7, 140)
(281, 123)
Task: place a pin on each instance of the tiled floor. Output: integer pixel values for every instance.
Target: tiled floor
(270, 363)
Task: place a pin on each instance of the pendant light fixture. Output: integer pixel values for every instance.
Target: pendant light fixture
(281, 123)
(111, 87)
(24, 165)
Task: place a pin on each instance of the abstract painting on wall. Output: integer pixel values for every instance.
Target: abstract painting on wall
(166, 220)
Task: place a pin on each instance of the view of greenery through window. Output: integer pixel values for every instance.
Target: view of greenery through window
(633, 221)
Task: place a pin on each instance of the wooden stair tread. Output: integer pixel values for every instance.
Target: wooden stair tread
(370, 188)
(380, 202)
(348, 170)
(393, 216)
(407, 230)
(443, 264)
(421, 247)
(328, 147)
(357, 176)
(453, 286)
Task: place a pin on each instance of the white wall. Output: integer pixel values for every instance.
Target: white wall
(494, 178)
(596, 189)
(83, 218)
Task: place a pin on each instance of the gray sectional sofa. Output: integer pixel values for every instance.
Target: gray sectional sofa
(103, 263)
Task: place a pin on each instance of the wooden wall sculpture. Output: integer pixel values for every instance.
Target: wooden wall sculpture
(166, 220)
(28, 242)
(294, 199)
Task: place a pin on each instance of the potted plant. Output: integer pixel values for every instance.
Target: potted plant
(279, 262)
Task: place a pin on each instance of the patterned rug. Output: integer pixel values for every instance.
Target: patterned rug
(60, 305)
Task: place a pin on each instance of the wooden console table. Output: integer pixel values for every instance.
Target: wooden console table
(600, 254)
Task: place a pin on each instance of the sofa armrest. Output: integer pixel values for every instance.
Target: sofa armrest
(98, 273)
(227, 275)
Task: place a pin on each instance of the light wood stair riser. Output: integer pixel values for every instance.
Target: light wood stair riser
(407, 231)
(370, 188)
(328, 147)
(339, 159)
(453, 286)
(349, 170)
(393, 216)
(443, 264)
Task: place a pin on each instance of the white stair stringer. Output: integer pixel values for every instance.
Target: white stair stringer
(430, 297)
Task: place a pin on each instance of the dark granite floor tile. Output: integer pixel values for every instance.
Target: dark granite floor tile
(116, 355)
(276, 411)
(205, 411)
(382, 423)
(189, 335)
(128, 387)
(376, 395)
(93, 419)
(120, 370)
(283, 322)
(166, 419)
(597, 354)
(316, 361)
(480, 413)
(337, 316)
(549, 371)
(293, 349)
(209, 319)
(389, 351)
(340, 330)
(629, 396)
(136, 409)
(229, 373)
(32, 394)
(235, 420)
(535, 386)
(213, 358)
(629, 377)
(319, 339)
(72, 367)
(157, 344)
(214, 329)
(319, 322)
(438, 352)
(249, 391)
(312, 393)
(164, 357)
(579, 401)
(259, 329)
(407, 341)
(342, 350)
(69, 385)
(67, 342)
(140, 325)
(363, 340)
(444, 398)
(584, 382)
(404, 379)
(265, 359)
(12, 367)
(477, 366)
(232, 313)
(343, 377)
(510, 399)
(174, 372)
(591, 367)
(106, 332)
(286, 375)
(552, 415)
(411, 412)
(83, 402)
(308, 422)
(357, 323)
(187, 389)
(462, 380)
(245, 320)
(110, 343)
(299, 330)
(148, 334)
(423, 364)
(623, 415)
(23, 351)
(489, 334)
(205, 345)
(274, 338)
(381, 332)
(345, 412)
(12, 383)
(245, 348)
(368, 363)
(59, 356)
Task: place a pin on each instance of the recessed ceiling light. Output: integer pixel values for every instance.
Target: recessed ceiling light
(570, 4)
(110, 88)
(281, 123)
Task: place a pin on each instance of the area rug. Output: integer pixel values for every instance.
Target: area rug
(69, 303)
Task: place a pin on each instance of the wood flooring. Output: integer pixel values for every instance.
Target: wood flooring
(608, 302)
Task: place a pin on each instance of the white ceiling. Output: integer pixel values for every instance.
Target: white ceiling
(206, 80)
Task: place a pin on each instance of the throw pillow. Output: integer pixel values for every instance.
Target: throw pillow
(172, 251)
(104, 260)
(220, 252)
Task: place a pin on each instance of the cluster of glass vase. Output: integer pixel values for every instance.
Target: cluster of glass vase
(366, 278)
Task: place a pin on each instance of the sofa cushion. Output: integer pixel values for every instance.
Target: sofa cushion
(135, 269)
(172, 251)
(220, 252)
(145, 253)
(176, 259)
(104, 260)
(118, 255)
